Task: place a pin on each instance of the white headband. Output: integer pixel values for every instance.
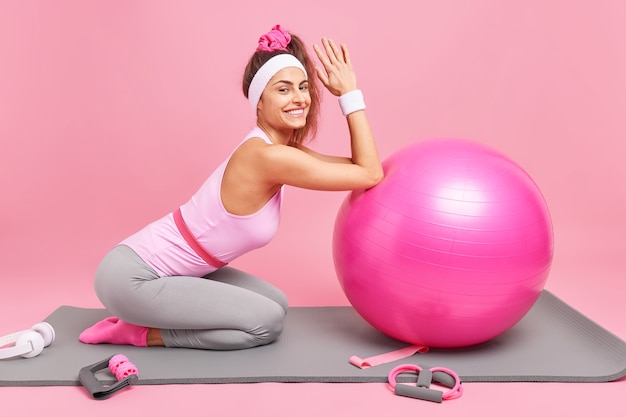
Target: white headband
(267, 71)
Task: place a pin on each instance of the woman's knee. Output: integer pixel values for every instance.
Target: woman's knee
(270, 328)
(281, 299)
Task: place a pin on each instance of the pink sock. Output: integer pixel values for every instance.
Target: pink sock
(115, 331)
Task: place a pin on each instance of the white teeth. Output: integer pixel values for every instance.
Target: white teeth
(295, 112)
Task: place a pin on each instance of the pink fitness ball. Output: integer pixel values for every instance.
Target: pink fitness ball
(451, 249)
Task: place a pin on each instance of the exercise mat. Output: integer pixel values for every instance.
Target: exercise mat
(552, 343)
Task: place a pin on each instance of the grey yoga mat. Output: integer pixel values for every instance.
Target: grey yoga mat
(553, 342)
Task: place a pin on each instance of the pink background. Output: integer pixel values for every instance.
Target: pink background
(112, 113)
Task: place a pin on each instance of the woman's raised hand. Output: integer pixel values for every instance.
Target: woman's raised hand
(337, 75)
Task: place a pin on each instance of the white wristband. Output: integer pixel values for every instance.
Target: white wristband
(351, 102)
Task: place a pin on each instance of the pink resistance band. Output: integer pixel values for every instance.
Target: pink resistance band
(387, 357)
(191, 240)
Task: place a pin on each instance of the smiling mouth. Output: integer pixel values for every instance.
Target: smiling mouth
(295, 112)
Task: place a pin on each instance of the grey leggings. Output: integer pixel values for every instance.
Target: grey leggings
(227, 309)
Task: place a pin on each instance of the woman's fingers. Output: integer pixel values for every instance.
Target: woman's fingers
(322, 57)
(336, 53)
(321, 73)
(337, 74)
(332, 54)
(331, 50)
(346, 55)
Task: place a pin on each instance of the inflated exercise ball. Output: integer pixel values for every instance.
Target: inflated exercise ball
(451, 249)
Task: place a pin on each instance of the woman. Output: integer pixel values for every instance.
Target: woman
(168, 284)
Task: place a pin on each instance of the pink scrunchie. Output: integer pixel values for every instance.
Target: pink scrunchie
(274, 40)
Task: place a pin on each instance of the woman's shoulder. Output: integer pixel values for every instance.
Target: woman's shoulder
(257, 132)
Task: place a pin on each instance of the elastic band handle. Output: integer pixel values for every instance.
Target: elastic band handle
(419, 393)
(424, 378)
(444, 379)
(422, 389)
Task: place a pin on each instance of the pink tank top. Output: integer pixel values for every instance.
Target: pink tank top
(224, 235)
